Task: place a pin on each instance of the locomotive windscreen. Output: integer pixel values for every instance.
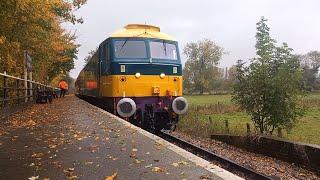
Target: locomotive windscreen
(130, 49)
(163, 50)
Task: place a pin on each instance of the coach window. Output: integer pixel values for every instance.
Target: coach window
(130, 49)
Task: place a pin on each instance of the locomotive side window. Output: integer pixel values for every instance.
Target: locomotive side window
(163, 50)
(130, 49)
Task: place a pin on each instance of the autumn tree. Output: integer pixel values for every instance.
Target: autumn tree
(35, 26)
(310, 63)
(201, 66)
(269, 87)
(229, 79)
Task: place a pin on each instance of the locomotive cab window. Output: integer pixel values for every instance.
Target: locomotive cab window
(130, 49)
(163, 50)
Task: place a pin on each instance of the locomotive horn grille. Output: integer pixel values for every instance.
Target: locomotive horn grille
(126, 107)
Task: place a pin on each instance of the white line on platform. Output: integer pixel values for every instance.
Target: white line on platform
(218, 171)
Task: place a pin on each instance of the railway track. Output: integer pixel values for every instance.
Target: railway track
(227, 164)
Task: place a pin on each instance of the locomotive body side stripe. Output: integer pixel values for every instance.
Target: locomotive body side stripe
(144, 86)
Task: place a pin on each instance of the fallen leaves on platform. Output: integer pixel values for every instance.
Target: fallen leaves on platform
(2, 132)
(111, 157)
(112, 177)
(157, 169)
(56, 164)
(148, 166)
(138, 161)
(175, 164)
(88, 162)
(52, 146)
(133, 155)
(37, 155)
(31, 123)
(158, 146)
(33, 178)
(93, 148)
(70, 174)
(182, 163)
(205, 177)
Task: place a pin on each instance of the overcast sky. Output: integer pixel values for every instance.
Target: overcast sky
(230, 23)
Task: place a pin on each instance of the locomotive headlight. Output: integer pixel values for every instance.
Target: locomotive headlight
(138, 75)
(162, 75)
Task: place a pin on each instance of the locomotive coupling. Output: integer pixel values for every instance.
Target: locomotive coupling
(180, 105)
(126, 107)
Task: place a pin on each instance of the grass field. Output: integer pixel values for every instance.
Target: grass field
(220, 108)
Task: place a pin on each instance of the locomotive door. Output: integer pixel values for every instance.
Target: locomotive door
(104, 67)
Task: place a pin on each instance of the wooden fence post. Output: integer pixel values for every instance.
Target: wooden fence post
(279, 132)
(30, 86)
(248, 128)
(18, 91)
(25, 85)
(4, 89)
(210, 120)
(226, 126)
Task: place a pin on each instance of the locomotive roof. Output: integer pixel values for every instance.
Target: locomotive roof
(142, 30)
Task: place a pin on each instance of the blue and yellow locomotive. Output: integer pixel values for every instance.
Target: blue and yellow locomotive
(136, 73)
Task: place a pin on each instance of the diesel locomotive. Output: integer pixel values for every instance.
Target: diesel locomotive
(136, 74)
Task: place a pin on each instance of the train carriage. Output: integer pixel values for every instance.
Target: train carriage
(136, 73)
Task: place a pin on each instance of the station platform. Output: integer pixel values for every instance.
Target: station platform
(72, 139)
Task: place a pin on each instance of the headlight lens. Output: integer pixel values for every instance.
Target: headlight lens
(138, 75)
(162, 75)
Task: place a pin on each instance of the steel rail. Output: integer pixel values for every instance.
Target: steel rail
(226, 163)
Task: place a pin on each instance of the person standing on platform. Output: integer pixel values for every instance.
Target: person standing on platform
(63, 85)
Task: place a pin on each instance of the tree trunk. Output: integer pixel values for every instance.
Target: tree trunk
(201, 90)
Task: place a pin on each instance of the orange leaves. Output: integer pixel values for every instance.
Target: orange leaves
(70, 173)
(112, 177)
(2, 39)
(157, 169)
(37, 155)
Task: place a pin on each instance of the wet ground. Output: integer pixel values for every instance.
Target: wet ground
(71, 140)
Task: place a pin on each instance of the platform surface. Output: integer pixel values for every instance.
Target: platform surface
(72, 139)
